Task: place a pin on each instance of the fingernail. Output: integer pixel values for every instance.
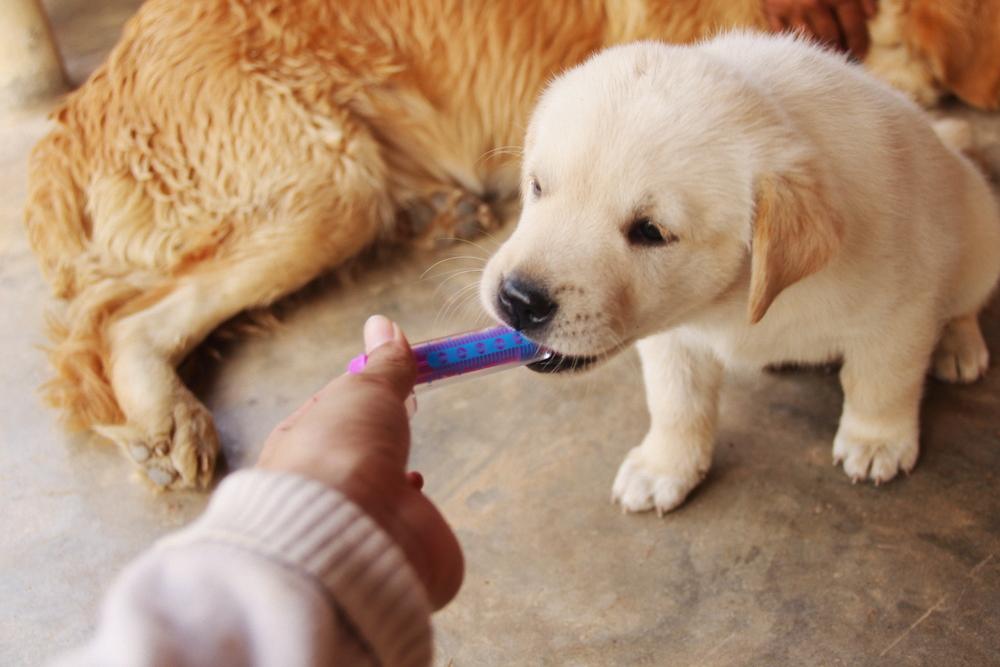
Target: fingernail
(379, 330)
(411, 405)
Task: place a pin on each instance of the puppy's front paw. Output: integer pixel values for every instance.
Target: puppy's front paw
(642, 484)
(874, 458)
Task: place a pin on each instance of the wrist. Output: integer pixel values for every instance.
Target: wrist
(387, 498)
(380, 494)
(414, 524)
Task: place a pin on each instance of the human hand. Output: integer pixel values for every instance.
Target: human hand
(841, 24)
(354, 436)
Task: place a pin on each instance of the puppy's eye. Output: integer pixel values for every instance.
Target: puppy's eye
(645, 232)
(535, 187)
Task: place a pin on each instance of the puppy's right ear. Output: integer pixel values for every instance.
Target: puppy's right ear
(795, 234)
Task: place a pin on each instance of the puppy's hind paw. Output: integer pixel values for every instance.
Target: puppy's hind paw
(961, 355)
(640, 486)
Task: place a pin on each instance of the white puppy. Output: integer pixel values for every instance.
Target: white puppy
(747, 201)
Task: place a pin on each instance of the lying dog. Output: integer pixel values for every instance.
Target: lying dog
(747, 201)
(230, 151)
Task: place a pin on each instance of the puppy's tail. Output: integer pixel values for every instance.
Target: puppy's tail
(55, 214)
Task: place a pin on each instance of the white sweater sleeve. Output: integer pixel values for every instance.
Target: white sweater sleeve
(279, 570)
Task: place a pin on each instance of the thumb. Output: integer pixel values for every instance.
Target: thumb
(389, 355)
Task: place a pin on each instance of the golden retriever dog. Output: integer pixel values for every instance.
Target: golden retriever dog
(747, 201)
(929, 48)
(230, 151)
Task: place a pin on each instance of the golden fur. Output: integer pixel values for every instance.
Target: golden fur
(229, 151)
(961, 42)
(930, 48)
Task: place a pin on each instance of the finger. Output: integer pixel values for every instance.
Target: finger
(854, 27)
(430, 546)
(378, 330)
(397, 366)
(825, 27)
(393, 363)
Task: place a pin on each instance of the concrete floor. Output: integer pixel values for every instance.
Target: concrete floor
(777, 559)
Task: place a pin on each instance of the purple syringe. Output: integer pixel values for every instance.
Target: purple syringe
(468, 354)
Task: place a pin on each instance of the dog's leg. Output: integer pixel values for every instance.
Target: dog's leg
(168, 432)
(961, 355)
(883, 382)
(894, 60)
(682, 389)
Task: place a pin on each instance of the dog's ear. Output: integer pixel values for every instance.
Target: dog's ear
(795, 234)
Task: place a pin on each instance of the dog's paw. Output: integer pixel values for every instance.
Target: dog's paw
(874, 459)
(640, 485)
(461, 216)
(961, 355)
(179, 454)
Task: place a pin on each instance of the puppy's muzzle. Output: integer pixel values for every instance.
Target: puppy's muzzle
(525, 305)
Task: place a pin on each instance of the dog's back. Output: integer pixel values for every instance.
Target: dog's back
(888, 171)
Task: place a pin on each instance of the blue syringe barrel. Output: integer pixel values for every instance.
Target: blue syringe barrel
(469, 354)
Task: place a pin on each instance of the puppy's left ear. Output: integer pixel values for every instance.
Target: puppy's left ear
(795, 234)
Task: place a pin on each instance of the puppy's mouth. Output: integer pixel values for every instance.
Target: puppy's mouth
(574, 363)
(564, 363)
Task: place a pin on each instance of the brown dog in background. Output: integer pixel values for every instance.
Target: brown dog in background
(230, 151)
(931, 48)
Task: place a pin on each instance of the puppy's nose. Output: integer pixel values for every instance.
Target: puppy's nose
(524, 305)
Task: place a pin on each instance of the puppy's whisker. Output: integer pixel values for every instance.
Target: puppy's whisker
(457, 299)
(453, 276)
(447, 275)
(447, 309)
(483, 319)
(516, 151)
(559, 366)
(451, 259)
(456, 272)
(456, 295)
(493, 238)
(467, 302)
(466, 241)
(591, 382)
(621, 342)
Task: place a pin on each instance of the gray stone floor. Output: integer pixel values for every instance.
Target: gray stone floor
(776, 560)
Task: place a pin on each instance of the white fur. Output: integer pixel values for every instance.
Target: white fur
(685, 135)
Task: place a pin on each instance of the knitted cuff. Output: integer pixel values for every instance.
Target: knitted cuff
(313, 529)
